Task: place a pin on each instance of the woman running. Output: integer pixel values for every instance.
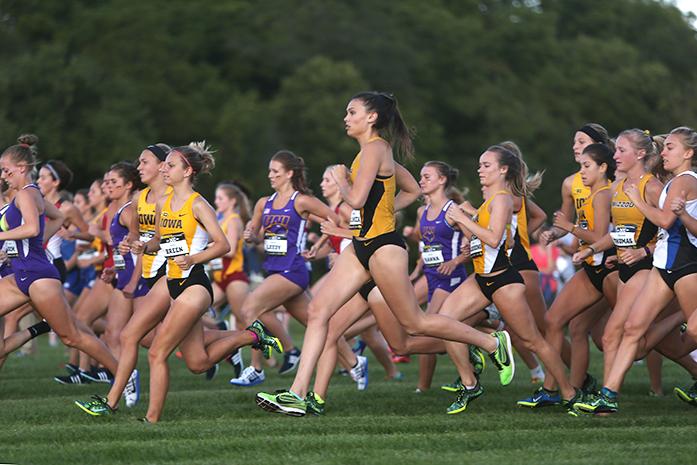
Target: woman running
(377, 251)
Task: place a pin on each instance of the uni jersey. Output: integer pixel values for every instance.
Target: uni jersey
(520, 252)
(579, 192)
(586, 220)
(180, 234)
(151, 262)
(230, 265)
(485, 258)
(441, 242)
(284, 229)
(124, 264)
(377, 215)
(631, 228)
(30, 254)
(676, 247)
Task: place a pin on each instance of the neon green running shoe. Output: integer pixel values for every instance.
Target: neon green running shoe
(688, 395)
(315, 404)
(455, 386)
(477, 359)
(97, 407)
(503, 357)
(464, 397)
(598, 403)
(266, 342)
(282, 401)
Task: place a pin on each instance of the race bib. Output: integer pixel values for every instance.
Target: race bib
(10, 248)
(119, 262)
(624, 235)
(216, 264)
(145, 237)
(275, 244)
(475, 247)
(174, 245)
(355, 221)
(432, 255)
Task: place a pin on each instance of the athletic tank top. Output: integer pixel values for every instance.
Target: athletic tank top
(377, 215)
(485, 258)
(676, 246)
(150, 262)
(631, 228)
(26, 254)
(284, 231)
(520, 252)
(53, 246)
(579, 192)
(586, 220)
(441, 242)
(180, 234)
(229, 265)
(118, 233)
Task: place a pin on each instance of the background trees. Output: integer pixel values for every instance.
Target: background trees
(97, 81)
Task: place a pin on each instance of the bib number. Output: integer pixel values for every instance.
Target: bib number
(145, 237)
(10, 248)
(355, 222)
(216, 264)
(174, 245)
(119, 262)
(432, 255)
(476, 247)
(624, 236)
(275, 244)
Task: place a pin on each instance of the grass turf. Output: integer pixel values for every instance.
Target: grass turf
(213, 422)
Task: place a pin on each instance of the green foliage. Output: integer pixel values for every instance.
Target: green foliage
(99, 80)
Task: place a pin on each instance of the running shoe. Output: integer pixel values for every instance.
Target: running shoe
(315, 404)
(398, 377)
(477, 359)
(212, 371)
(237, 362)
(249, 377)
(455, 386)
(131, 392)
(99, 375)
(503, 357)
(401, 358)
(570, 404)
(71, 369)
(77, 378)
(541, 398)
(597, 403)
(291, 359)
(282, 402)
(96, 407)
(266, 342)
(688, 395)
(359, 373)
(464, 397)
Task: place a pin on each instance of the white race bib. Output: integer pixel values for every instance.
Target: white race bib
(432, 255)
(145, 237)
(216, 264)
(119, 261)
(355, 221)
(10, 248)
(275, 244)
(174, 245)
(624, 235)
(475, 247)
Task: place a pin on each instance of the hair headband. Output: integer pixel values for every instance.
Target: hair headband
(53, 171)
(593, 134)
(157, 151)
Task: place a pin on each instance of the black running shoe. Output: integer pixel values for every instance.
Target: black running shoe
(291, 359)
(77, 378)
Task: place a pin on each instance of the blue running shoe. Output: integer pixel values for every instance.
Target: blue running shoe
(541, 398)
(359, 347)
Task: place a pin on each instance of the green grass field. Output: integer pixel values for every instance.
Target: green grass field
(214, 423)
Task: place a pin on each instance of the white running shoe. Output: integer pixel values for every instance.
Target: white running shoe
(359, 373)
(249, 377)
(131, 392)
